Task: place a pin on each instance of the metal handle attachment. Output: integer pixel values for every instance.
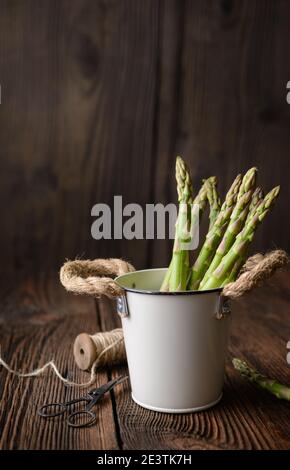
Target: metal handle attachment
(223, 309)
(122, 306)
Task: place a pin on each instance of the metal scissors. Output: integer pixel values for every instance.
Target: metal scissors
(50, 410)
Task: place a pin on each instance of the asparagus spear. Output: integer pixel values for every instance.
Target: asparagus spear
(213, 199)
(184, 184)
(165, 283)
(177, 270)
(235, 270)
(200, 199)
(214, 235)
(234, 227)
(237, 221)
(257, 198)
(180, 260)
(248, 182)
(242, 242)
(270, 385)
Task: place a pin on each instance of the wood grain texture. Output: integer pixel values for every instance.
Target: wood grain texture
(98, 97)
(39, 322)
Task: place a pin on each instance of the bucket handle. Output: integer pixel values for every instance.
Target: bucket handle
(255, 271)
(91, 276)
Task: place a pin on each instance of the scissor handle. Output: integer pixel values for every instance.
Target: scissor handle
(46, 411)
(71, 419)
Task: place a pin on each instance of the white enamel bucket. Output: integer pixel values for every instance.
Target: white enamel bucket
(176, 343)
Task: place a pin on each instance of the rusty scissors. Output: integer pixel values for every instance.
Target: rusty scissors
(50, 410)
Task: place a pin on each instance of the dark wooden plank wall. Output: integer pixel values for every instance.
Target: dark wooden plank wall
(99, 96)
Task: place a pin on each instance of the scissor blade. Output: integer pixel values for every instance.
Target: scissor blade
(108, 386)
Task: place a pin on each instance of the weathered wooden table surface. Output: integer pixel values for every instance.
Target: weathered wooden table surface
(39, 321)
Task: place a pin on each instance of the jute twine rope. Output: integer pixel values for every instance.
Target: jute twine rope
(48, 365)
(257, 269)
(83, 277)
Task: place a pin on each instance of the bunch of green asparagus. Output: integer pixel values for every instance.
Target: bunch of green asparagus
(232, 226)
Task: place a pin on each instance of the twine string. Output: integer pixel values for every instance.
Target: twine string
(105, 343)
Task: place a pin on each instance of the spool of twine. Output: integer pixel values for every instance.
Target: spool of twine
(100, 349)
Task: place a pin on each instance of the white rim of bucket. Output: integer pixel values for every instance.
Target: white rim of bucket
(177, 410)
(156, 292)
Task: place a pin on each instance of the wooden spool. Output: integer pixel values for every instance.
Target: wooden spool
(84, 351)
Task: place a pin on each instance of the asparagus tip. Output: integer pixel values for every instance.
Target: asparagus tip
(241, 366)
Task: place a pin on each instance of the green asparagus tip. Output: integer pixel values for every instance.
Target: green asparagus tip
(212, 180)
(271, 196)
(276, 190)
(252, 171)
(242, 367)
(250, 178)
(272, 386)
(257, 198)
(237, 182)
(238, 363)
(248, 181)
(259, 193)
(184, 185)
(180, 166)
